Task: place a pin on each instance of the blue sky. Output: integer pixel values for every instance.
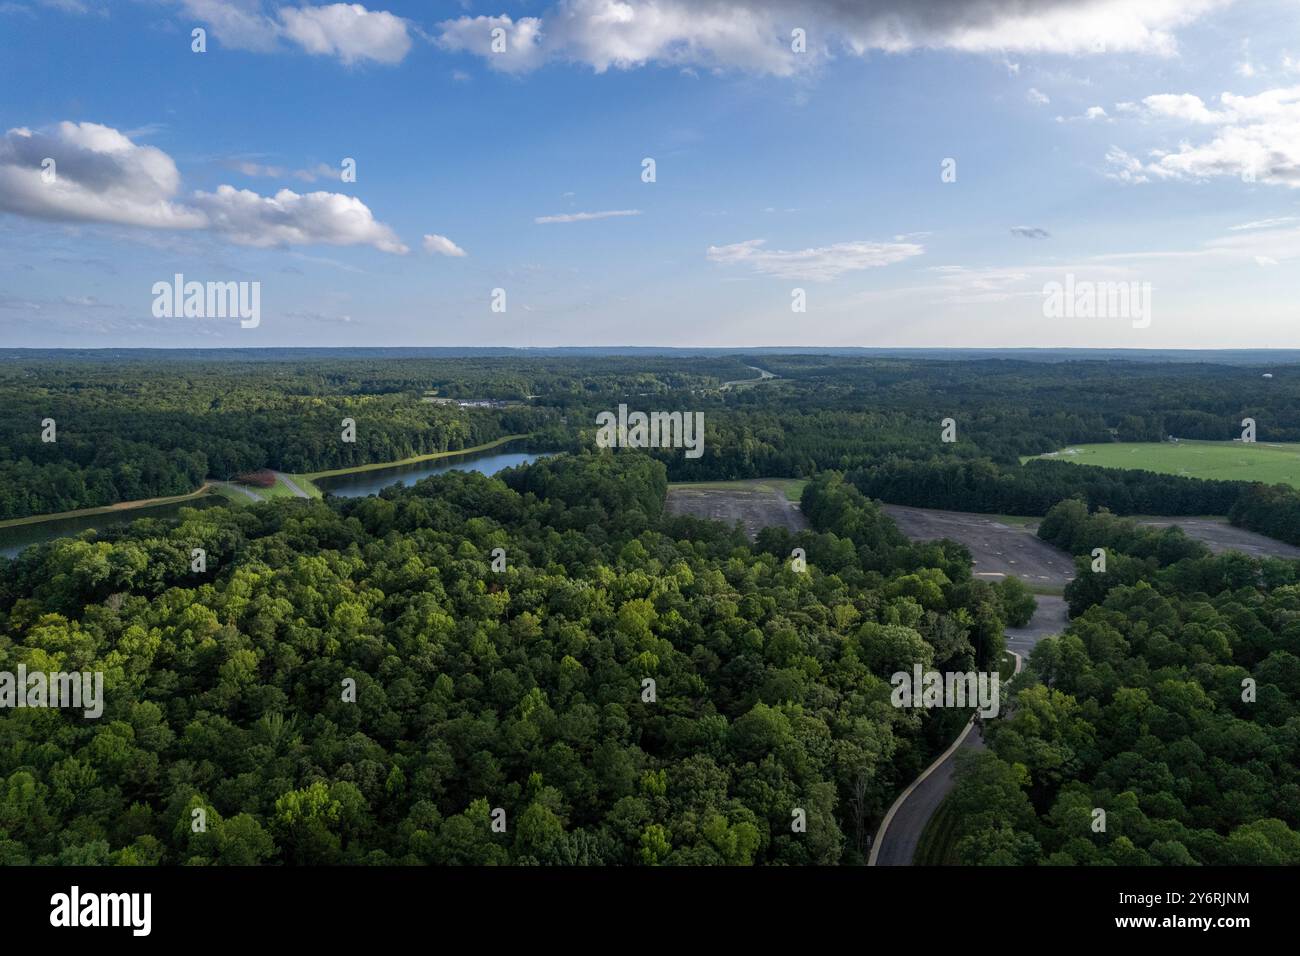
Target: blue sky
(1158, 145)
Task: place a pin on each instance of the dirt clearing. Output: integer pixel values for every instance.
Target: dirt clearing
(755, 504)
(998, 548)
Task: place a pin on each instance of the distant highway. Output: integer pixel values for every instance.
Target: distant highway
(763, 376)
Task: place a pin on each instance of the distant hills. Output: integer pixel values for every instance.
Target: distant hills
(1215, 356)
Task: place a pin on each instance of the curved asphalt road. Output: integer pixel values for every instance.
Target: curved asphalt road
(899, 842)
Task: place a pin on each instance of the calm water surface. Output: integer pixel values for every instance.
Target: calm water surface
(13, 540)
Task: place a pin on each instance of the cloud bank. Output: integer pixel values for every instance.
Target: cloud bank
(100, 176)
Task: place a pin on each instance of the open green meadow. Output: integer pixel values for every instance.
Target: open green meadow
(1271, 463)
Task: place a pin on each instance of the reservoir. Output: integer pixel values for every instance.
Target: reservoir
(364, 483)
(14, 539)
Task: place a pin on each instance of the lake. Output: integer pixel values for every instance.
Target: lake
(13, 540)
(371, 482)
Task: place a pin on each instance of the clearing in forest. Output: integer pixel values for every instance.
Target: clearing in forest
(1270, 462)
(757, 503)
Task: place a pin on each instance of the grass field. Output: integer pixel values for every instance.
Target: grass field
(1271, 463)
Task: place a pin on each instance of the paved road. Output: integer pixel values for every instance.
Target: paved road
(240, 488)
(899, 843)
(1050, 618)
(898, 846)
(289, 482)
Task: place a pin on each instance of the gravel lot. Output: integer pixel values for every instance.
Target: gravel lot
(998, 549)
(1221, 536)
(754, 508)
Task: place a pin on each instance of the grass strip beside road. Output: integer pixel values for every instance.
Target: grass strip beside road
(107, 509)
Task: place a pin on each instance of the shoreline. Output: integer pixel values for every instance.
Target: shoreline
(209, 487)
(379, 466)
(205, 489)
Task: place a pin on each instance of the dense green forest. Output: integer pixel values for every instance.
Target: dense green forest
(475, 690)
(157, 425)
(1170, 703)
(524, 690)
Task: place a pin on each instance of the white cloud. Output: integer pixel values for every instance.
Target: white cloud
(1125, 167)
(348, 31)
(1095, 113)
(584, 216)
(441, 245)
(755, 34)
(819, 264)
(1037, 98)
(102, 176)
(1258, 139)
(1265, 223)
(240, 24)
(290, 219)
(257, 170)
(1182, 106)
(308, 175)
(521, 39)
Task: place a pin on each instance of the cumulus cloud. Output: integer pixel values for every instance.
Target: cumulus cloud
(756, 34)
(435, 244)
(1257, 138)
(1182, 106)
(519, 44)
(819, 264)
(290, 219)
(585, 216)
(100, 175)
(241, 24)
(348, 31)
(1030, 232)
